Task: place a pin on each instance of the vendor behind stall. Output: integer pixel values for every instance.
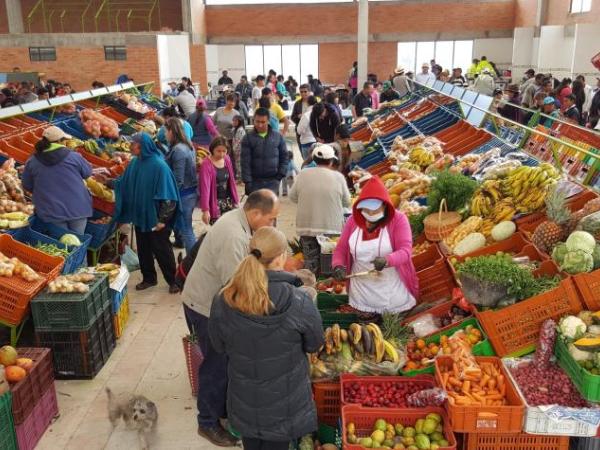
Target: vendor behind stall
(55, 176)
(377, 237)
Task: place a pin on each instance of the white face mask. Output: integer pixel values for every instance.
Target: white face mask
(372, 218)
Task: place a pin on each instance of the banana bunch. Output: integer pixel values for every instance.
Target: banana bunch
(410, 166)
(484, 199)
(421, 157)
(358, 342)
(503, 210)
(91, 146)
(528, 186)
(99, 190)
(471, 225)
(73, 143)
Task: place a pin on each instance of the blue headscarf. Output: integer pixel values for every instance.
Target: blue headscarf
(147, 180)
(123, 78)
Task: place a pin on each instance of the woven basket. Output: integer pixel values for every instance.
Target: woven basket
(441, 224)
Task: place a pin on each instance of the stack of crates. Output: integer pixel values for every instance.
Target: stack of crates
(78, 328)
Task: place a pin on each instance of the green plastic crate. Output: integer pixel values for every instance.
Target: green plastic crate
(587, 384)
(482, 348)
(71, 312)
(8, 438)
(327, 304)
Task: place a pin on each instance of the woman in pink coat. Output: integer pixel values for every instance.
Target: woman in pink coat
(377, 237)
(218, 193)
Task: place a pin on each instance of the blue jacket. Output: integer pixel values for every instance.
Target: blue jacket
(264, 158)
(182, 161)
(56, 179)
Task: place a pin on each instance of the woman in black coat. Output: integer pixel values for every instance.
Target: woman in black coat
(324, 120)
(266, 324)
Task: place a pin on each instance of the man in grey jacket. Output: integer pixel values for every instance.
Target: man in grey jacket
(223, 248)
(264, 155)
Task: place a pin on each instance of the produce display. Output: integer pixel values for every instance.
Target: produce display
(67, 284)
(11, 267)
(53, 250)
(424, 434)
(388, 394)
(15, 368)
(581, 333)
(14, 208)
(112, 270)
(99, 190)
(98, 125)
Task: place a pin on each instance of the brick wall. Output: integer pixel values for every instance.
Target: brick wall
(81, 66)
(343, 54)
(3, 19)
(198, 66)
(556, 14)
(170, 15)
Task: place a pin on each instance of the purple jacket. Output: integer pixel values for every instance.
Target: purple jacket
(207, 186)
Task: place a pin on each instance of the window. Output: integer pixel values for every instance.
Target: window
(448, 54)
(42, 53)
(296, 60)
(115, 53)
(580, 6)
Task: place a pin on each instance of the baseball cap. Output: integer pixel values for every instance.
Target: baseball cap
(370, 204)
(387, 85)
(55, 134)
(324, 151)
(548, 100)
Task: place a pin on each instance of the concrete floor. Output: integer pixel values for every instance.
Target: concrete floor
(148, 360)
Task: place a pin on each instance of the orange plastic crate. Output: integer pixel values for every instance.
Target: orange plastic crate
(94, 160)
(17, 154)
(428, 258)
(16, 292)
(518, 441)
(103, 206)
(514, 330)
(588, 286)
(364, 419)
(327, 397)
(491, 419)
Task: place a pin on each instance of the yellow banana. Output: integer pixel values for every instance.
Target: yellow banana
(391, 352)
(356, 333)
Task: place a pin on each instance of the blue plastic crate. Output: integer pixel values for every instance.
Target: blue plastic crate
(73, 127)
(78, 256)
(99, 232)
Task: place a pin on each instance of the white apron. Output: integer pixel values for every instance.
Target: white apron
(376, 293)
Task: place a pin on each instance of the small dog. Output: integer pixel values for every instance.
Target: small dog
(137, 412)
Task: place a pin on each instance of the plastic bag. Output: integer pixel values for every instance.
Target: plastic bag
(424, 325)
(460, 351)
(130, 259)
(545, 348)
(427, 397)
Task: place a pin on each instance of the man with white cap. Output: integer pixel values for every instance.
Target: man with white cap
(400, 82)
(55, 175)
(425, 76)
(322, 194)
(484, 83)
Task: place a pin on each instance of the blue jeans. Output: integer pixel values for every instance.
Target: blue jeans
(212, 376)
(188, 203)
(75, 225)
(305, 150)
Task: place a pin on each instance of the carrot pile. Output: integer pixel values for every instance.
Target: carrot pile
(470, 383)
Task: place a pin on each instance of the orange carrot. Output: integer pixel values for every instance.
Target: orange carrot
(466, 386)
(492, 383)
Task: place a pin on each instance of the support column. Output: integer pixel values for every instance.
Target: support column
(541, 13)
(14, 16)
(363, 41)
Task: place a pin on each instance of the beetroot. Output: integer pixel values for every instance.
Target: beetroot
(547, 386)
(546, 342)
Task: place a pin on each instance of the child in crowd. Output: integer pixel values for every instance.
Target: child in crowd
(292, 171)
(239, 131)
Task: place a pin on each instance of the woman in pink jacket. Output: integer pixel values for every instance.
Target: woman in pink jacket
(218, 193)
(377, 237)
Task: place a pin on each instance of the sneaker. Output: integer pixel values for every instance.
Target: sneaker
(144, 285)
(174, 289)
(217, 436)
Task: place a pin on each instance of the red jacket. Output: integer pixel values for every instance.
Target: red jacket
(398, 228)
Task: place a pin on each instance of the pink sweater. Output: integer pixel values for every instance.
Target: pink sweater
(401, 257)
(207, 177)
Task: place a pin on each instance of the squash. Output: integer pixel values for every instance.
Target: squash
(470, 243)
(503, 230)
(579, 355)
(588, 344)
(594, 330)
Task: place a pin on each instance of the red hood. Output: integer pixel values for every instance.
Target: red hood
(374, 188)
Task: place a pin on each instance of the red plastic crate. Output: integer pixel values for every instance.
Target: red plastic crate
(421, 382)
(364, 419)
(30, 389)
(327, 399)
(492, 419)
(31, 431)
(517, 441)
(103, 206)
